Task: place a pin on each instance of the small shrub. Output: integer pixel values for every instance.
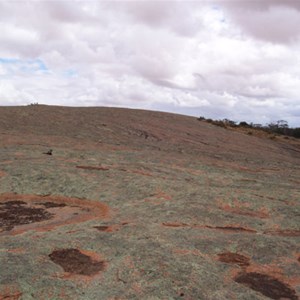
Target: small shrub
(244, 124)
(219, 123)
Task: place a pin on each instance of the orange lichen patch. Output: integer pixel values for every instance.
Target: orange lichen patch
(2, 173)
(19, 213)
(93, 168)
(283, 232)
(234, 258)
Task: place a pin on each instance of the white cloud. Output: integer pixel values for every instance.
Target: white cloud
(235, 59)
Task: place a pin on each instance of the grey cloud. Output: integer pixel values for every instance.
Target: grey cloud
(173, 15)
(271, 20)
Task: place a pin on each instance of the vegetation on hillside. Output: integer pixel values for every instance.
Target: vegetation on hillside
(279, 127)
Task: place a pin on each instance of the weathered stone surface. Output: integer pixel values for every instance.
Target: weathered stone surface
(149, 206)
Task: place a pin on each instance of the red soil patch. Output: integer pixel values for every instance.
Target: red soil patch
(2, 173)
(19, 213)
(76, 262)
(234, 258)
(267, 285)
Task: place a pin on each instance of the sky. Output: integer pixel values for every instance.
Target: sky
(218, 59)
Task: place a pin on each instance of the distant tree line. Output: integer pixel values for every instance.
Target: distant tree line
(279, 127)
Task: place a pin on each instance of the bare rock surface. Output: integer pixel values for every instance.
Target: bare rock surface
(136, 204)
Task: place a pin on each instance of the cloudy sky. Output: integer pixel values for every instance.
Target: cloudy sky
(220, 59)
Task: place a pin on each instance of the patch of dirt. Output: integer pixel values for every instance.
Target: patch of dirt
(234, 258)
(19, 213)
(102, 228)
(14, 213)
(109, 228)
(266, 285)
(75, 262)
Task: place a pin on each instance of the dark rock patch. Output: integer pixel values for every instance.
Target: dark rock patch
(75, 262)
(234, 258)
(14, 213)
(232, 229)
(102, 227)
(52, 204)
(267, 285)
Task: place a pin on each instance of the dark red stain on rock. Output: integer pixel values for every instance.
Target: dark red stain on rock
(267, 285)
(75, 262)
(14, 213)
(52, 204)
(102, 227)
(233, 229)
(284, 232)
(234, 258)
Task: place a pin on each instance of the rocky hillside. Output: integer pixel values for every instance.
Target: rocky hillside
(107, 203)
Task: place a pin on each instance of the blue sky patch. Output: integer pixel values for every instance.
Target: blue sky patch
(70, 73)
(28, 66)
